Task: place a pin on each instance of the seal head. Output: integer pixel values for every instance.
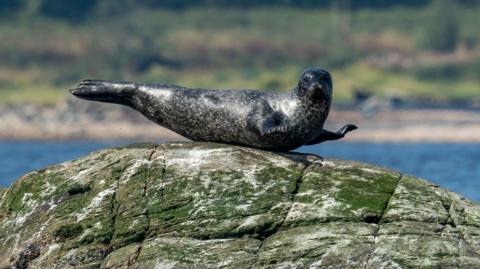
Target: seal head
(316, 84)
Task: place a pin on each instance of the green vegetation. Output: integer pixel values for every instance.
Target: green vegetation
(412, 51)
(69, 230)
(442, 29)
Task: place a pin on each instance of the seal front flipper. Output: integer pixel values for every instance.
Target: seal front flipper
(327, 135)
(105, 91)
(271, 124)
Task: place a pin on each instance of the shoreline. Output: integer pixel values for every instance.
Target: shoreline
(414, 134)
(160, 140)
(109, 122)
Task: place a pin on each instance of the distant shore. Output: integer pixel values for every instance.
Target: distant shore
(107, 122)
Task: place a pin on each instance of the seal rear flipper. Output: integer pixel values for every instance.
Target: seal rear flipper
(105, 91)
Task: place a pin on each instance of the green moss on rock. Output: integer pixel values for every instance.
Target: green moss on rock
(78, 189)
(68, 231)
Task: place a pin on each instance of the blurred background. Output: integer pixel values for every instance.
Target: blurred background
(407, 72)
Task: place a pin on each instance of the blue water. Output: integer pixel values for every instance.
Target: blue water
(452, 166)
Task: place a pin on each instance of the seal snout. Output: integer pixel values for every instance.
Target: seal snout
(318, 90)
(318, 86)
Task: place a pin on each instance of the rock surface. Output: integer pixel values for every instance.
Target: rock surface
(203, 205)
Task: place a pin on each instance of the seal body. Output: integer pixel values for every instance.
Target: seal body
(267, 120)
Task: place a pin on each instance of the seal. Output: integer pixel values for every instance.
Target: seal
(278, 121)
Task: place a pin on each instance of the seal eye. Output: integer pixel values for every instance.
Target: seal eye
(323, 76)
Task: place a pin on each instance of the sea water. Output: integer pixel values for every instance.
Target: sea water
(452, 166)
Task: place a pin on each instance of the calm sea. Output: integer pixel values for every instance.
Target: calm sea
(452, 166)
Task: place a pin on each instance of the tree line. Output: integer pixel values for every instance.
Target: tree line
(77, 10)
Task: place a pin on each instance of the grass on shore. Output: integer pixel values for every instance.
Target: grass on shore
(346, 81)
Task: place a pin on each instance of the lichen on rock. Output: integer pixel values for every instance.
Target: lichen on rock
(208, 205)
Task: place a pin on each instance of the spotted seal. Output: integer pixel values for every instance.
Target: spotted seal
(266, 120)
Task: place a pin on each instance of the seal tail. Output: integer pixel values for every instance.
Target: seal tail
(105, 91)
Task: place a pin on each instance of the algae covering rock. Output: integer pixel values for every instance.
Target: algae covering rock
(204, 205)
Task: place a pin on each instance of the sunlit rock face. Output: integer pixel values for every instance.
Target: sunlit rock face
(204, 205)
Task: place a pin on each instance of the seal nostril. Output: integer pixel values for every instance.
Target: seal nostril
(317, 86)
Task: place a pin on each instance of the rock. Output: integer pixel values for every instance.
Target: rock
(208, 205)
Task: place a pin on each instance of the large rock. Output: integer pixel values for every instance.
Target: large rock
(211, 205)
